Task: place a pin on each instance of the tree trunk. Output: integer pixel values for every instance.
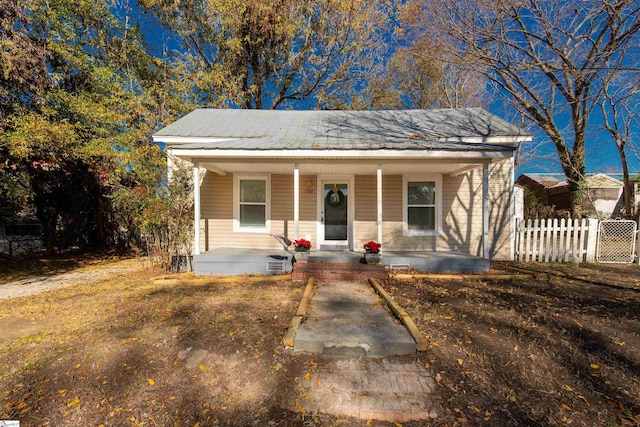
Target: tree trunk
(628, 188)
(575, 182)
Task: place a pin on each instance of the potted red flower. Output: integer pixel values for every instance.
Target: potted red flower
(372, 252)
(302, 247)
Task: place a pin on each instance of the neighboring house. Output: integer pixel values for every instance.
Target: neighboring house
(423, 183)
(605, 192)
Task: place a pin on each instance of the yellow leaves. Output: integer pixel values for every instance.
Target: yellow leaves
(307, 376)
(460, 361)
(494, 330)
(568, 388)
(584, 399)
(567, 420)
(369, 421)
(594, 366)
(567, 407)
(202, 368)
(301, 408)
(512, 395)
(74, 402)
(151, 381)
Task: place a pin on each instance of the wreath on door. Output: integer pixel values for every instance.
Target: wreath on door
(334, 198)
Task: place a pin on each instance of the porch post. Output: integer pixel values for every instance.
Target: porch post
(196, 208)
(296, 201)
(379, 199)
(485, 210)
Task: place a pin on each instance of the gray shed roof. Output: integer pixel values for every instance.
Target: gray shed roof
(445, 129)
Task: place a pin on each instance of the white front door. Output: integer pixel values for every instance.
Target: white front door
(335, 207)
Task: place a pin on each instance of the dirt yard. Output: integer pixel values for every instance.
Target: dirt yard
(560, 349)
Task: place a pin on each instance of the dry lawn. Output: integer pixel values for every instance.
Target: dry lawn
(563, 349)
(126, 352)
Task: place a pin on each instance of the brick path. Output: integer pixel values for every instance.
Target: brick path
(380, 389)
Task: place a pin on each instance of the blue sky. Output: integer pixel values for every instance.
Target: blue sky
(538, 156)
(601, 154)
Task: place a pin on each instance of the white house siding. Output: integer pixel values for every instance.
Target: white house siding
(308, 208)
(366, 205)
(461, 210)
(501, 210)
(216, 211)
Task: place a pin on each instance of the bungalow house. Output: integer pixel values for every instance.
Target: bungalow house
(434, 187)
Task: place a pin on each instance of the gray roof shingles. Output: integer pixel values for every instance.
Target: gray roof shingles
(361, 130)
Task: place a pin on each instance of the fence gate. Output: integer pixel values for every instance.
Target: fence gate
(617, 241)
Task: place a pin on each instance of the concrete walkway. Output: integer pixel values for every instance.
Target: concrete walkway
(349, 319)
(356, 375)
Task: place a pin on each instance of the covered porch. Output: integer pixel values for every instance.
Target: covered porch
(339, 204)
(231, 261)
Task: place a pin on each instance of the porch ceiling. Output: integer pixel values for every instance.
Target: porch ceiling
(338, 167)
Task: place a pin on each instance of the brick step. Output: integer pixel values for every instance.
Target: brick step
(337, 271)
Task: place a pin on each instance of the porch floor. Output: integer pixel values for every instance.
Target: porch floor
(229, 261)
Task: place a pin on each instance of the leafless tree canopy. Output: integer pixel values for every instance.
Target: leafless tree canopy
(549, 57)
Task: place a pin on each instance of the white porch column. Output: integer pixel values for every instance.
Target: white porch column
(196, 207)
(485, 210)
(296, 201)
(379, 199)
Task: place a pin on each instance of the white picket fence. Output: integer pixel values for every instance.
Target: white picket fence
(553, 240)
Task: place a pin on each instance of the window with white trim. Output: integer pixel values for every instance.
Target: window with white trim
(422, 204)
(251, 203)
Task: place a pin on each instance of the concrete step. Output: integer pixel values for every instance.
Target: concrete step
(348, 319)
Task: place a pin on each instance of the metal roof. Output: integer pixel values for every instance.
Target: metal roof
(444, 129)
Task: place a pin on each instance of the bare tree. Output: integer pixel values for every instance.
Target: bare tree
(547, 56)
(619, 98)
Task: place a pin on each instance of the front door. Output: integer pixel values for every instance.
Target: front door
(334, 215)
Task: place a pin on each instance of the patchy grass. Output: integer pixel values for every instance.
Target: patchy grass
(128, 352)
(562, 349)
(37, 265)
